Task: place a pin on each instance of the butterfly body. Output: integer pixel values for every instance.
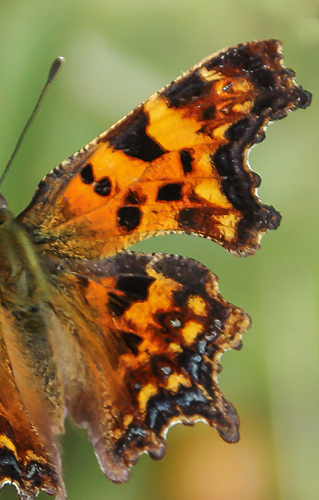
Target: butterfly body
(125, 343)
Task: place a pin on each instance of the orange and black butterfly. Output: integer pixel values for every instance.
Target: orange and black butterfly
(128, 343)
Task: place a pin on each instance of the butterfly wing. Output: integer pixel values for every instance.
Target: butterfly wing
(29, 457)
(178, 163)
(150, 340)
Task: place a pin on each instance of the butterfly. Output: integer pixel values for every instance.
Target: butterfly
(127, 343)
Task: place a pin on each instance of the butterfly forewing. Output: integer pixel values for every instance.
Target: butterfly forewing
(177, 163)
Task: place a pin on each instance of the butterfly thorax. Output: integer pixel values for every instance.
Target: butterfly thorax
(20, 268)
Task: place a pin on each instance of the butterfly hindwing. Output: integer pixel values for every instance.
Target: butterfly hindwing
(152, 340)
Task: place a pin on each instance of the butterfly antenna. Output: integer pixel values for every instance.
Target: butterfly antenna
(52, 74)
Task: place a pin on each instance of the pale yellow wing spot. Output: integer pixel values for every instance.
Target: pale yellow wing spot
(175, 381)
(145, 394)
(197, 305)
(209, 75)
(183, 129)
(191, 331)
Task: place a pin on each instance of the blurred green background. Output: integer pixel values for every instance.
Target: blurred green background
(117, 53)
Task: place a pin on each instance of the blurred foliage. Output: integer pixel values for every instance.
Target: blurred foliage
(117, 53)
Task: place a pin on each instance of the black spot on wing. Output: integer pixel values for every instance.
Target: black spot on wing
(103, 187)
(129, 289)
(131, 137)
(134, 286)
(170, 192)
(187, 160)
(87, 174)
(185, 90)
(132, 341)
(129, 217)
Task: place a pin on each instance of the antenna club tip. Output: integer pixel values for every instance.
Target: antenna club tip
(55, 67)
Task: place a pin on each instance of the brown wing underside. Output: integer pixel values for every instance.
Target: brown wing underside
(177, 163)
